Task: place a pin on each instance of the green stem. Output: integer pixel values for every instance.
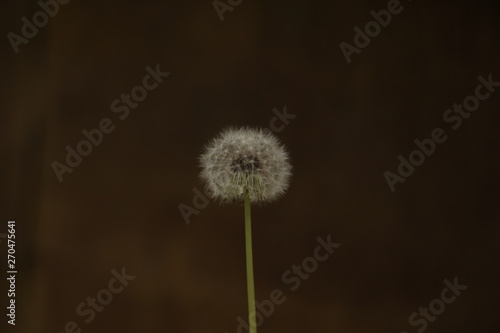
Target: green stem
(250, 283)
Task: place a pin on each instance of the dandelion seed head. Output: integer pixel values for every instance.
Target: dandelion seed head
(245, 160)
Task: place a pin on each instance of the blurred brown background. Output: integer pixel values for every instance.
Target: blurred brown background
(119, 208)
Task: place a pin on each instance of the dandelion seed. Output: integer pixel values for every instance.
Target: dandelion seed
(245, 159)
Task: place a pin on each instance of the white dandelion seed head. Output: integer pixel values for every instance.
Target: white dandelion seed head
(245, 160)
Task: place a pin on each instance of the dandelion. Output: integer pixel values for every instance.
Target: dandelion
(245, 160)
(248, 165)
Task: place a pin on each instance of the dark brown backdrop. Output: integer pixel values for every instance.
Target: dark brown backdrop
(119, 208)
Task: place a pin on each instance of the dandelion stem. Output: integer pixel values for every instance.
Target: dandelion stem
(249, 258)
